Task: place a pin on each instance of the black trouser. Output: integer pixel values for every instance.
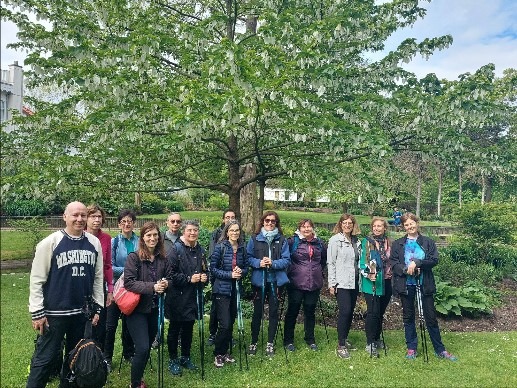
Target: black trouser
(186, 328)
(375, 309)
(99, 331)
(295, 298)
(346, 299)
(272, 295)
(212, 324)
(112, 317)
(408, 317)
(48, 346)
(143, 328)
(226, 307)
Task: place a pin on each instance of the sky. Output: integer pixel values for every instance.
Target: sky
(484, 31)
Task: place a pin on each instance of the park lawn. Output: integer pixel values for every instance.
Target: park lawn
(485, 359)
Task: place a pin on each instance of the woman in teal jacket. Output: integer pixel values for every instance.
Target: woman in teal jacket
(375, 282)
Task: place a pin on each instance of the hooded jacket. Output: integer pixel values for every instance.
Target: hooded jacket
(307, 262)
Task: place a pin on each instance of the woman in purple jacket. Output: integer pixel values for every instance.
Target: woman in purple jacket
(308, 259)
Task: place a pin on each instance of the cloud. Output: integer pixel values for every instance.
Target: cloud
(483, 31)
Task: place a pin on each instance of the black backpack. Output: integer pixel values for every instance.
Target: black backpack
(88, 368)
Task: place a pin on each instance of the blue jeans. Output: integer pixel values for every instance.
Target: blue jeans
(408, 317)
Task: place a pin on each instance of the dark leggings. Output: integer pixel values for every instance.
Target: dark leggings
(272, 295)
(226, 311)
(186, 328)
(346, 299)
(143, 328)
(296, 298)
(375, 309)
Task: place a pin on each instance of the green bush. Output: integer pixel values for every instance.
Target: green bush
(25, 207)
(459, 272)
(218, 202)
(174, 206)
(471, 299)
(491, 222)
(152, 204)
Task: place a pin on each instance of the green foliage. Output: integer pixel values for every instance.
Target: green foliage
(459, 272)
(174, 206)
(152, 204)
(218, 202)
(35, 228)
(461, 300)
(492, 222)
(25, 207)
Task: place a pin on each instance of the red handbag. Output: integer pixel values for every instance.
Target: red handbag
(126, 300)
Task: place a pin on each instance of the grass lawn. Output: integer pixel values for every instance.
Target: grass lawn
(485, 359)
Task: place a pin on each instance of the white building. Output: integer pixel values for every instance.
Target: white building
(11, 94)
(283, 195)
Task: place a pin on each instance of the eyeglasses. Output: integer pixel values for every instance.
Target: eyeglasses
(270, 221)
(175, 221)
(127, 222)
(95, 217)
(234, 230)
(347, 223)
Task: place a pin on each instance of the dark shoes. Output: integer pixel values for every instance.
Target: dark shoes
(174, 367)
(290, 347)
(211, 340)
(185, 362)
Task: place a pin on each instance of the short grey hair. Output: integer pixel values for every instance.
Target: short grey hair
(189, 222)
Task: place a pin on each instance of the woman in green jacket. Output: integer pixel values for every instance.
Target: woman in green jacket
(375, 282)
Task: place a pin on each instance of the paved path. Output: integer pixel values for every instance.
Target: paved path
(16, 264)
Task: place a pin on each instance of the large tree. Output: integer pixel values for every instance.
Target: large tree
(164, 95)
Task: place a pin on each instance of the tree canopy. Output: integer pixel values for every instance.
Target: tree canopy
(163, 95)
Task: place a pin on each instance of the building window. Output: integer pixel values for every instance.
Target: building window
(3, 110)
(277, 195)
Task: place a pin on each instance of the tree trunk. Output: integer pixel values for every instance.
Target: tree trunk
(138, 202)
(261, 198)
(344, 207)
(418, 192)
(249, 201)
(439, 199)
(486, 194)
(460, 187)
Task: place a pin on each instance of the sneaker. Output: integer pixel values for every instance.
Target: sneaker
(446, 355)
(290, 347)
(211, 340)
(411, 354)
(372, 350)
(185, 362)
(270, 350)
(252, 350)
(313, 347)
(342, 352)
(219, 361)
(379, 344)
(228, 358)
(174, 367)
(349, 345)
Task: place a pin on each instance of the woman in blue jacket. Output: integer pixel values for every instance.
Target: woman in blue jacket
(268, 257)
(228, 266)
(412, 260)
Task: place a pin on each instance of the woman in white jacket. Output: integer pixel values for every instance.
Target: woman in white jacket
(344, 250)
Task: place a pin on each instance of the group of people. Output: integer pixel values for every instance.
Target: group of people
(82, 262)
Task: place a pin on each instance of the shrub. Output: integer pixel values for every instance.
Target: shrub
(174, 206)
(470, 299)
(218, 202)
(458, 272)
(152, 204)
(25, 207)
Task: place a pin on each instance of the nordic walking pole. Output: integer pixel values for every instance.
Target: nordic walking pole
(323, 318)
(158, 342)
(374, 290)
(279, 327)
(240, 327)
(263, 309)
(199, 299)
(421, 319)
